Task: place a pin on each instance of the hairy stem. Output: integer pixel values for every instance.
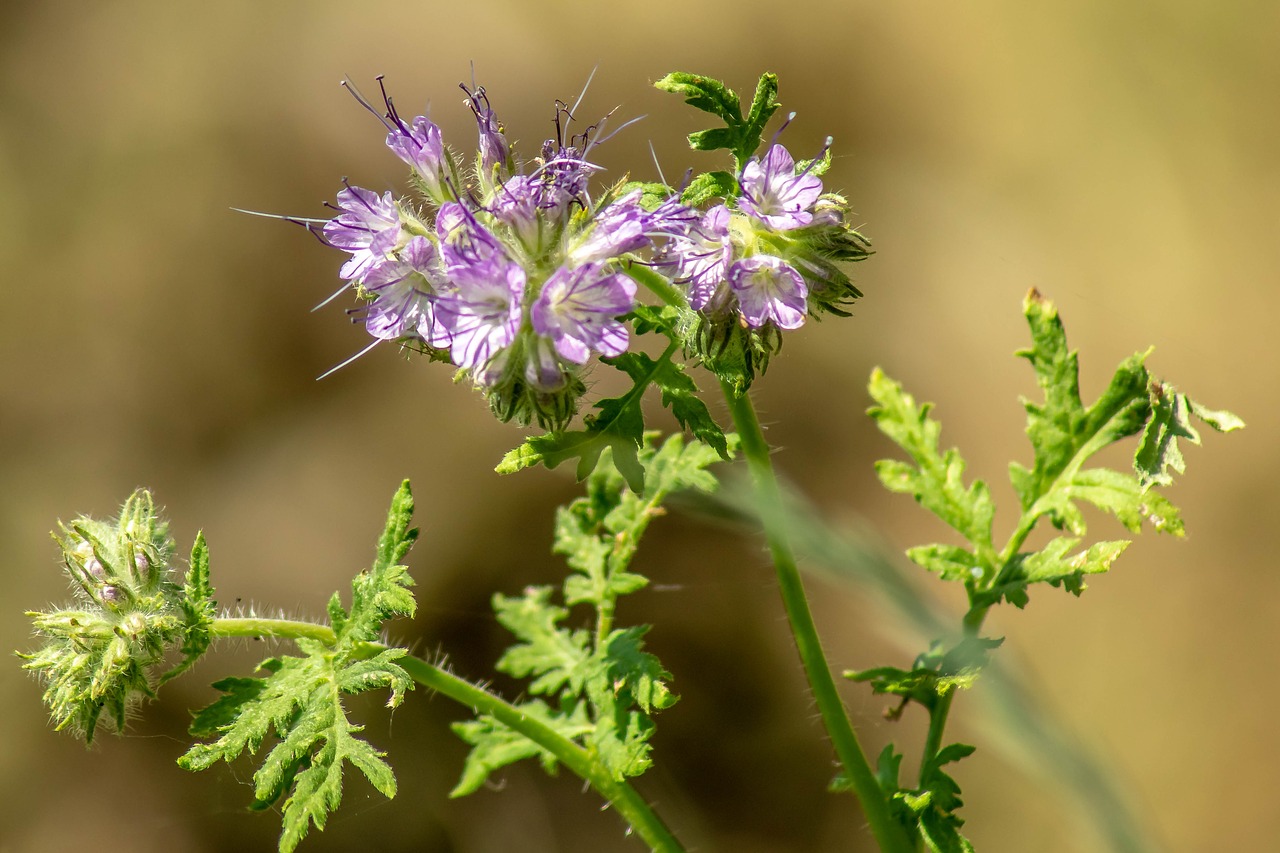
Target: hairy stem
(618, 793)
(890, 835)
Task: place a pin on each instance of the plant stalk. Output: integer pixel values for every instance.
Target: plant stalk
(887, 831)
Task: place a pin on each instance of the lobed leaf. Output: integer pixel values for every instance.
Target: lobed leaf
(937, 478)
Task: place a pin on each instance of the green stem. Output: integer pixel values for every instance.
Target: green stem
(972, 627)
(933, 740)
(887, 831)
(253, 626)
(657, 283)
(618, 793)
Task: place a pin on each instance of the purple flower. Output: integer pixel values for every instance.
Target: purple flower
(769, 289)
(421, 146)
(701, 259)
(464, 242)
(480, 315)
(368, 227)
(578, 310)
(493, 142)
(773, 193)
(616, 230)
(404, 288)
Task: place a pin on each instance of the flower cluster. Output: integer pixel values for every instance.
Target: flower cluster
(765, 260)
(517, 274)
(511, 271)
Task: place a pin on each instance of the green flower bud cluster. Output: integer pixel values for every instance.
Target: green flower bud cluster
(98, 655)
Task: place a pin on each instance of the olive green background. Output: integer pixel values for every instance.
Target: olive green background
(1120, 157)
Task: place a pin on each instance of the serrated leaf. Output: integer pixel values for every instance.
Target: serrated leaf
(557, 656)
(198, 609)
(628, 667)
(617, 427)
(1170, 420)
(704, 93)
(495, 746)
(949, 562)
(937, 479)
(298, 702)
(1122, 495)
(679, 394)
(707, 186)
(1063, 433)
(763, 105)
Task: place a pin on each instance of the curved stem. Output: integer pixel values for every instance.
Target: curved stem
(618, 793)
(890, 835)
(657, 284)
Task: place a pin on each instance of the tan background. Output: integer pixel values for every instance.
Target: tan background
(1121, 157)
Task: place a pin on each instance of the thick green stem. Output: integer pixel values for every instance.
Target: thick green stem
(657, 284)
(618, 793)
(887, 831)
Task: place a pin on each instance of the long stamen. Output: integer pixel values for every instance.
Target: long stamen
(333, 370)
(364, 102)
(392, 113)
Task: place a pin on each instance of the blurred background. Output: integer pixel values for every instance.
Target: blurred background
(1120, 157)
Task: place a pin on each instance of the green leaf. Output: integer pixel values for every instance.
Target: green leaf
(948, 562)
(740, 136)
(198, 609)
(298, 702)
(679, 394)
(1063, 433)
(557, 656)
(619, 425)
(709, 185)
(633, 670)
(763, 105)
(1171, 420)
(937, 479)
(1122, 495)
(495, 746)
(704, 93)
(1052, 565)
